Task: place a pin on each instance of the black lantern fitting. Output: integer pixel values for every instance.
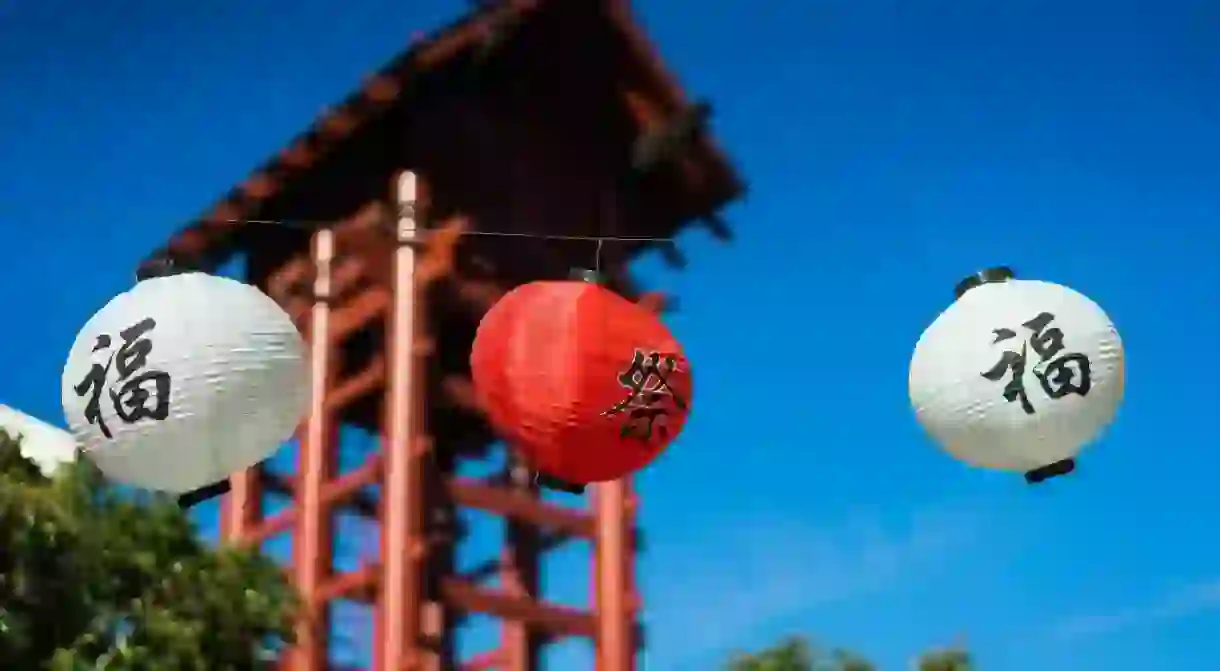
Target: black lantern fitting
(586, 275)
(989, 276)
(1049, 471)
(204, 493)
(163, 265)
(552, 482)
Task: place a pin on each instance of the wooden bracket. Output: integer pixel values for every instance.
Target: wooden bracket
(669, 141)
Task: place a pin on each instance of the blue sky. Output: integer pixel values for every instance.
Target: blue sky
(891, 148)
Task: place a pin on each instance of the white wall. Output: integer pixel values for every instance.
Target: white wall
(44, 444)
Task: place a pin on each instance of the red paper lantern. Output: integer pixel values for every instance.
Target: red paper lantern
(586, 385)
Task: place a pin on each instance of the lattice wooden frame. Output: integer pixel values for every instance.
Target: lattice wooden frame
(410, 631)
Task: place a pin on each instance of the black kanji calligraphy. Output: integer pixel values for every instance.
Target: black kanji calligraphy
(647, 384)
(1002, 334)
(93, 384)
(1014, 390)
(1057, 376)
(137, 392)
(1047, 340)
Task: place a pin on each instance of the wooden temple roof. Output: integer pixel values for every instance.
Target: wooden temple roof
(586, 70)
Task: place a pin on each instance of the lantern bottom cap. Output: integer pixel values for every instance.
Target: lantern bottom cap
(557, 484)
(1044, 473)
(205, 493)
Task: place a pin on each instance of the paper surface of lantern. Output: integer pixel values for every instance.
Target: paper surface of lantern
(1017, 375)
(584, 384)
(184, 380)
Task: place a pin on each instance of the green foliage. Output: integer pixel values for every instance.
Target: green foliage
(947, 660)
(796, 654)
(93, 579)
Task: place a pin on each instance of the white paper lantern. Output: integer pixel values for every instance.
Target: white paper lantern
(1018, 375)
(184, 380)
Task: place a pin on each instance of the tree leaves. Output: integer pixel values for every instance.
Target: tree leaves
(95, 578)
(797, 654)
(946, 660)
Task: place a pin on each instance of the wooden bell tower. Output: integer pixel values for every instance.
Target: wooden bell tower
(401, 216)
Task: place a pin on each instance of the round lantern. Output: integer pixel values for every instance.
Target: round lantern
(184, 380)
(584, 384)
(1017, 375)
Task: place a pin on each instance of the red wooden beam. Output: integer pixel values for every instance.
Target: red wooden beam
(613, 580)
(399, 601)
(467, 492)
(312, 548)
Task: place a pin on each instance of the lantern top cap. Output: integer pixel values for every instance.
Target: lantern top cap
(163, 266)
(586, 275)
(994, 275)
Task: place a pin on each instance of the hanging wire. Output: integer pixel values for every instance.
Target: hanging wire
(539, 478)
(547, 480)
